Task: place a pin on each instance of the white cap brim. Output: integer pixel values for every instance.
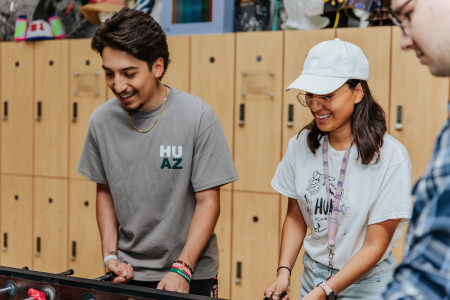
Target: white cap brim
(315, 84)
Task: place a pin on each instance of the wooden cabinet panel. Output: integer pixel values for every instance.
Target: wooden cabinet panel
(297, 44)
(376, 44)
(256, 220)
(177, 74)
(258, 108)
(212, 76)
(87, 92)
(16, 221)
(423, 100)
(51, 61)
(223, 232)
(17, 108)
(50, 225)
(84, 239)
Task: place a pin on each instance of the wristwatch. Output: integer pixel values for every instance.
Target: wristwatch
(328, 291)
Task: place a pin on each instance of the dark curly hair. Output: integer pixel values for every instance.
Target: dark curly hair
(134, 32)
(368, 126)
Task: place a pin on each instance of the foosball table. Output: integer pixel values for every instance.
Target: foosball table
(33, 285)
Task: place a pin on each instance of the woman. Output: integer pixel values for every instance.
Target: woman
(347, 180)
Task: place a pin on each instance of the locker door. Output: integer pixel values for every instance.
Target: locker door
(16, 221)
(50, 225)
(177, 74)
(17, 108)
(87, 92)
(84, 239)
(297, 44)
(376, 44)
(212, 76)
(255, 243)
(418, 108)
(259, 61)
(51, 102)
(223, 232)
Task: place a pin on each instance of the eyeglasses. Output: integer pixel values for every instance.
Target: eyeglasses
(393, 15)
(306, 99)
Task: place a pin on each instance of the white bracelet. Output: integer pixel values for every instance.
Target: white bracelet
(105, 260)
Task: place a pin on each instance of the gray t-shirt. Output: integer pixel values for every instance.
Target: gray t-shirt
(153, 177)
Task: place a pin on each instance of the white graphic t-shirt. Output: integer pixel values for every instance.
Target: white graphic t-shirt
(371, 194)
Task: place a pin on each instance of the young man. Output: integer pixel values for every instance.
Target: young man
(159, 157)
(425, 270)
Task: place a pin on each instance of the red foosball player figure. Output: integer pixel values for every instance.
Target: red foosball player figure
(37, 295)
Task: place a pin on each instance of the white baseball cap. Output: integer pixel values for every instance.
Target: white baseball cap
(329, 65)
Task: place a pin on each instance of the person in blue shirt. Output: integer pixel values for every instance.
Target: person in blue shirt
(425, 270)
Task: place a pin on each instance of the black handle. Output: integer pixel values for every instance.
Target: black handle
(5, 241)
(238, 272)
(74, 250)
(399, 118)
(39, 110)
(38, 246)
(67, 273)
(5, 110)
(107, 277)
(290, 121)
(75, 112)
(241, 114)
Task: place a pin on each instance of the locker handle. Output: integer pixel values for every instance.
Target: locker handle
(39, 110)
(290, 121)
(241, 114)
(5, 241)
(74, 250)
(5, 110)
(238, 272)
(399, 118)
(38, 246)
(75, 112)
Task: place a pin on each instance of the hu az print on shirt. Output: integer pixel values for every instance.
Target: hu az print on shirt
(317, 205)
(171, 157)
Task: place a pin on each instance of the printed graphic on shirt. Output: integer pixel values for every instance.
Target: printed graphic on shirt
(171, 157)
(317, 205)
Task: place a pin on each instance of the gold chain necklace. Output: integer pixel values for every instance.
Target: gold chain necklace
(160, 113)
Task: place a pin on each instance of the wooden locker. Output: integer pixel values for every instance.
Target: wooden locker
(50, 225)
(212, 76)
(85, 255)
(16, 221)
(423, 101)
(418, 109)
(17, 108)
(297, 44)
(259, 63)
(51, 101)
(379, 56)
(177, 74)
(87, 92)
(223, 232)
(256, 224)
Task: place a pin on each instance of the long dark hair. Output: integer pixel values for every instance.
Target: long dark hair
(368, 126)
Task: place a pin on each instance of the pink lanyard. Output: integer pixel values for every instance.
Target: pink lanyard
(333, 215)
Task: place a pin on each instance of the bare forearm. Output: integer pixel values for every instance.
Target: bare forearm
(202, 225)
(106, 220)
(293, 234)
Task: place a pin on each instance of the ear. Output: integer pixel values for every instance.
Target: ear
(358, 93)
(158, 68)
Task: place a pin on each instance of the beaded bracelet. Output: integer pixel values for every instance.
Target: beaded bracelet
(284, 267)
(183, 263)
(105, 260)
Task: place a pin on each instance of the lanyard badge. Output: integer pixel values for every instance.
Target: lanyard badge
(333, 214)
